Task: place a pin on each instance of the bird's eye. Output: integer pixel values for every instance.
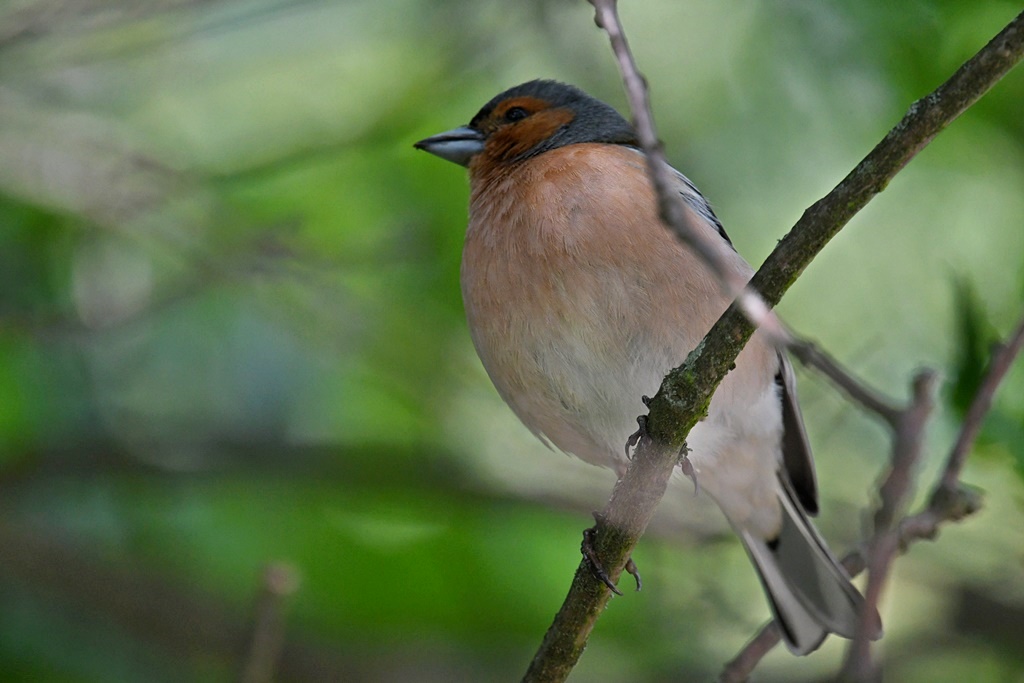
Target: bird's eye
(516, 114)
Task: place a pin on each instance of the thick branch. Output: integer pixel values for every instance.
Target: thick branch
(686, 391)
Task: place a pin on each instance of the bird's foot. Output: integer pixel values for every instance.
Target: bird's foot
(633, 439)
(596, 568)
(641, 433)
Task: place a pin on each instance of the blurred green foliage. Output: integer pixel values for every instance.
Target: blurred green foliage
(973, 348)
(231, 333)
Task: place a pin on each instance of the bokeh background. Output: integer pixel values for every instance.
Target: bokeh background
(231, 337)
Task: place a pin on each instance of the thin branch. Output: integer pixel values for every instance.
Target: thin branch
(685, 393)
(922, 122)
(950, 501)
(737, 669)
(635, 497)
(280, 580)
(858, 392)
(671, 206)
(908, 441)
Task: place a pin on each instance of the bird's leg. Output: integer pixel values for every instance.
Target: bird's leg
(684, 453)
(641, 433)
(587, 546)
(596, 568)
(687, 467)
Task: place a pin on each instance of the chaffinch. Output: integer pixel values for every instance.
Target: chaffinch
(580, 301)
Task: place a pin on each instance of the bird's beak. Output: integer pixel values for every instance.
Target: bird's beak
(457, 146)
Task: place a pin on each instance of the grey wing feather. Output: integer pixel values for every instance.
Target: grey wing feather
(692, 196)
(808, 590)
(796, 451)
(697, 202)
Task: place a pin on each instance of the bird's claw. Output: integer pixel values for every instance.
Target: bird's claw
(587, 548)
(687, 468)
(633, 439)
(634, 572)
(596, 568)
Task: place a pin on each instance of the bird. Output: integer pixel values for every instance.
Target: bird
(579, 301)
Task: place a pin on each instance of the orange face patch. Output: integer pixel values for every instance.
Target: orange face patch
(507, 139)
(510, 141)
(496, 119)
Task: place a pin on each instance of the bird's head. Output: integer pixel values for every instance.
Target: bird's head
(527, 120)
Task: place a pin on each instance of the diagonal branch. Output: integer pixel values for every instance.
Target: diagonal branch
(687, 390)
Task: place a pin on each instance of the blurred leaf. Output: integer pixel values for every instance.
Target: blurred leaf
(31, 243)
(975, 337)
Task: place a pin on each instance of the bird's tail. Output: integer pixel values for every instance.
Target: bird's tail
(809, 592)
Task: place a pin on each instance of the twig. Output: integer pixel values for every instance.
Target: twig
(950, 501)
(686, 391)
(737, 670)
(671, 206)
(908, 439)
(280, 581)
(925, 119)
(811, 356)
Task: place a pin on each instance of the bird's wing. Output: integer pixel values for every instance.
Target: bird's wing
(697, 202)
(796, 451)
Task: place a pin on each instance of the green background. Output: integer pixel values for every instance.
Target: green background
(231, 334)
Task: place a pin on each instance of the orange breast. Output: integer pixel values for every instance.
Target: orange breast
(575, 293)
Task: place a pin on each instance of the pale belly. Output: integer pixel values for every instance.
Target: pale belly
(578, 386)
